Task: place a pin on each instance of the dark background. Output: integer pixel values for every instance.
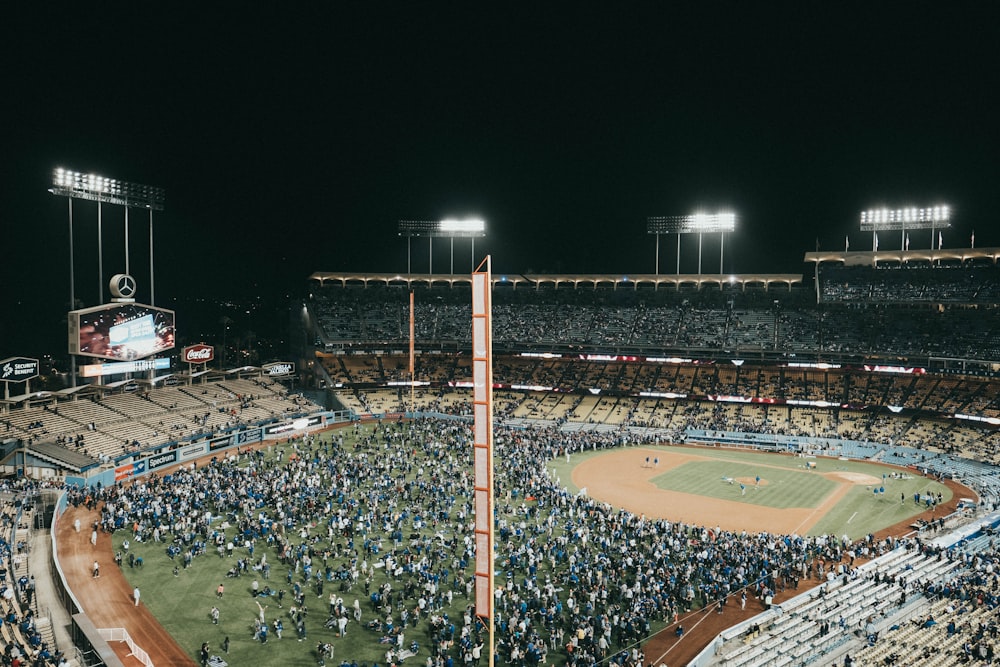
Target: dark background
(292, 139)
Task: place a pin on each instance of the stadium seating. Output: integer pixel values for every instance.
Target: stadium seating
(112, 424)
(870, 320)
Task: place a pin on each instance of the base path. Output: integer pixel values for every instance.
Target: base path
(620, 478)
(107, 600)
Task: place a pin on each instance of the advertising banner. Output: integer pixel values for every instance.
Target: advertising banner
(18, 369)
(161, 460)
(198, 354)
(279, 368)
(121, 331)
(294, 425)
(120, 368)
(193, 451)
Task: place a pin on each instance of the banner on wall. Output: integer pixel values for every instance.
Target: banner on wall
(161, 460)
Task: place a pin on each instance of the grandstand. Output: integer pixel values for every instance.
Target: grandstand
(891, 356)
(104, 425)
(944, 322)
(893, 364)
(888, 365)
(925, 605)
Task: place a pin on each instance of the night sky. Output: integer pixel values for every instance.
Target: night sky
(294, 140)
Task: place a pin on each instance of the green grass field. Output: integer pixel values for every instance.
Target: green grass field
(183, 605)
(780, 488)
(183, 602)
(787, 483)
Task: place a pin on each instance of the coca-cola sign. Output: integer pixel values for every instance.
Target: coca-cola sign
(198, 354)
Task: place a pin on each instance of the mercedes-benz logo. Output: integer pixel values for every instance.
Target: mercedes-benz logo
(122, 286)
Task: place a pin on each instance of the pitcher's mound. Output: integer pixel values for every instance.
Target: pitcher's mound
(858, 478)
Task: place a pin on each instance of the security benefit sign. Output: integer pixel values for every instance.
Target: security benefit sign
(18, 369)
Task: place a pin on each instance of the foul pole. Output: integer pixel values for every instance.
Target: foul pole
(482, 405)
(413, 377)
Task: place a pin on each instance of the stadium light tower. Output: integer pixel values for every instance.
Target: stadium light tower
(699, 223)
(902, 219)
(470, 228)
(91, 187)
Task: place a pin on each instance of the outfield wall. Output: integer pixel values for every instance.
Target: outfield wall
(136, 466)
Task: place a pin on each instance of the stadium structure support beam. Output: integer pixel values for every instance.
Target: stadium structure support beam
(482, 405)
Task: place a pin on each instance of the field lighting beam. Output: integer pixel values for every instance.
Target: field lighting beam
(451, 228)
(901, 219)
(696, 223)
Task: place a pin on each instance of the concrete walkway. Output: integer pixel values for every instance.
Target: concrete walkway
(41, 565)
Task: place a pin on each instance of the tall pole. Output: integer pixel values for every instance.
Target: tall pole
(152, 291)
(408, 271)
(657, 265)
(100, 259)
(72, 289)
(819, 295)
(452, 271)
(699, 253)
(430, 255)
(474, 253)
(722, 245)
(482, 431)
(678, 253)
(413, 376)
(126, 240)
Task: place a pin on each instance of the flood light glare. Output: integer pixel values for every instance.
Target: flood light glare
(912, 217)
(450, 227)
(696, 222)
(467, 226)
(93, 187)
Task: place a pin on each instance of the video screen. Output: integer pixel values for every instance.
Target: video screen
(121, 331)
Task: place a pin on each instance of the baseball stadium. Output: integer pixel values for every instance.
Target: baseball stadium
(772, 469)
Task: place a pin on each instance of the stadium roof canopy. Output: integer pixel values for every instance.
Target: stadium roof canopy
(868, 258)
(62, 456)
(565, 280)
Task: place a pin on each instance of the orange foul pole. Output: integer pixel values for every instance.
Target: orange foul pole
(482, 405)
(413, 379)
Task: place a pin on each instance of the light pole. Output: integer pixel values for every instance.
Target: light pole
(451, 228)
(91, 187)
(901, 219)
(696, 223)
(72, 289)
